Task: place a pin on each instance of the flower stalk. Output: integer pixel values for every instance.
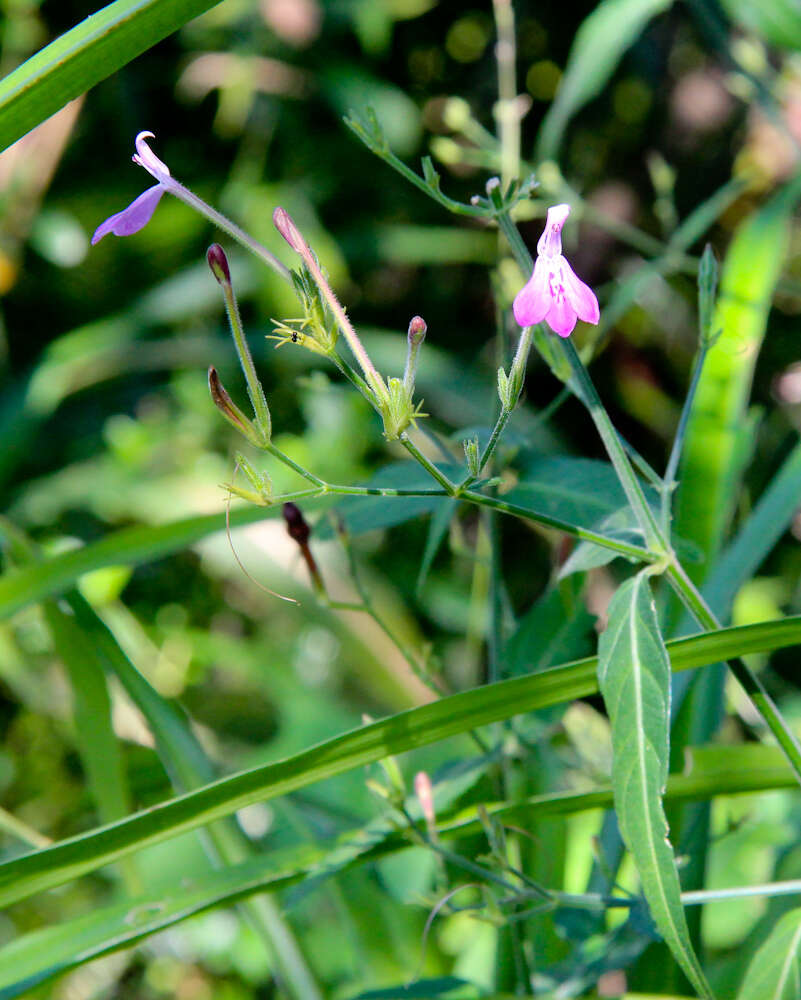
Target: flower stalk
(218, 264)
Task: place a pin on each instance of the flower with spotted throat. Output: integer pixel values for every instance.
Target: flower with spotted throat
(554, 292)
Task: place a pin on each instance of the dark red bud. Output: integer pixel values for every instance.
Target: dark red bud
(218, 263)
(296, 524)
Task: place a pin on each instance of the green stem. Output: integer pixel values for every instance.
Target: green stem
(669, 482)
(489, 449)
(292, 464)
(622, 548)
(219, 220)
(255, 390)
(507, 112)
(450, 488)
(750, 683)
(588, 394)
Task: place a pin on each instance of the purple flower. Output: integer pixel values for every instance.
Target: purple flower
(138, 213)
(553, 292)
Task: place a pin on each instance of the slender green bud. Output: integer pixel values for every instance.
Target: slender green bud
(471, 455)
(415, 336)
(231, 411)
(504, 390)
(707, 290)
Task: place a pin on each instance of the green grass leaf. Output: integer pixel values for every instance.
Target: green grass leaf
(31, 873)
(88, 53)
(597, 49)
(41, 955)
(128, 547)
(775, 970)
(718, 441)
(634, 678)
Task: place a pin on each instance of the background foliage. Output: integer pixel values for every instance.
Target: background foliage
(673, 125)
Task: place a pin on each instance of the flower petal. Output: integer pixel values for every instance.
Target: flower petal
(561, 316)
(146, 158)
(550, 243)
(580, 296)
(133, 218)
(533, 301)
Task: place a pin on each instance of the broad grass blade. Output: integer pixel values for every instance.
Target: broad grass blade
(85, 55)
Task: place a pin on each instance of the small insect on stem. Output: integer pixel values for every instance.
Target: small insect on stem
(297, 527)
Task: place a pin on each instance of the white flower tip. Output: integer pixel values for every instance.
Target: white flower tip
(146, 158)
(557, 216)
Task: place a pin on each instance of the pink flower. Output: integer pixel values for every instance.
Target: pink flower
(139, 212)
(553, 292)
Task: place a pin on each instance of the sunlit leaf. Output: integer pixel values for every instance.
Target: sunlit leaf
(634, 678)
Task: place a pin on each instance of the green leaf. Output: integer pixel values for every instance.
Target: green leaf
(417, 727)
(776, 21)
(556, 628)
(85, 55)
(597, 49)
(579, 491)
(775, 970)
(634, 678)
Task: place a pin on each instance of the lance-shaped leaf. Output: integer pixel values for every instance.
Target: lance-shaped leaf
(775, 970)
(634, 679)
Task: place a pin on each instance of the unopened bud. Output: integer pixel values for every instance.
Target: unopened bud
(471, 456)
(230, 410)
(282, 221)
(417, 330)
(415, 336)
(296, 524)
(218, 262)
(707, 290)
(425, 796)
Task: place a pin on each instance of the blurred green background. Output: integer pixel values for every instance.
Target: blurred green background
(105, 418)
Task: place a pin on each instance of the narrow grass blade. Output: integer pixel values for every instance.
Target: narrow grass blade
(98, 745)
(85, 55)
(775, 970)
(188, 766)
(129, 547)
(31, 873)
(634, 678)
(597, 49)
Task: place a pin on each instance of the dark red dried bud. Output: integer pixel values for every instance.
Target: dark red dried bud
(296, 524)
(218, 262)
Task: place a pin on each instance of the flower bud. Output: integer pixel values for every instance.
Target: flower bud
(282, 221)
(218, 262)
(425, 796)
(417, 330)
(415, 336)
(471, 455)
(296, 524)
(230, 410)
(707, 290)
